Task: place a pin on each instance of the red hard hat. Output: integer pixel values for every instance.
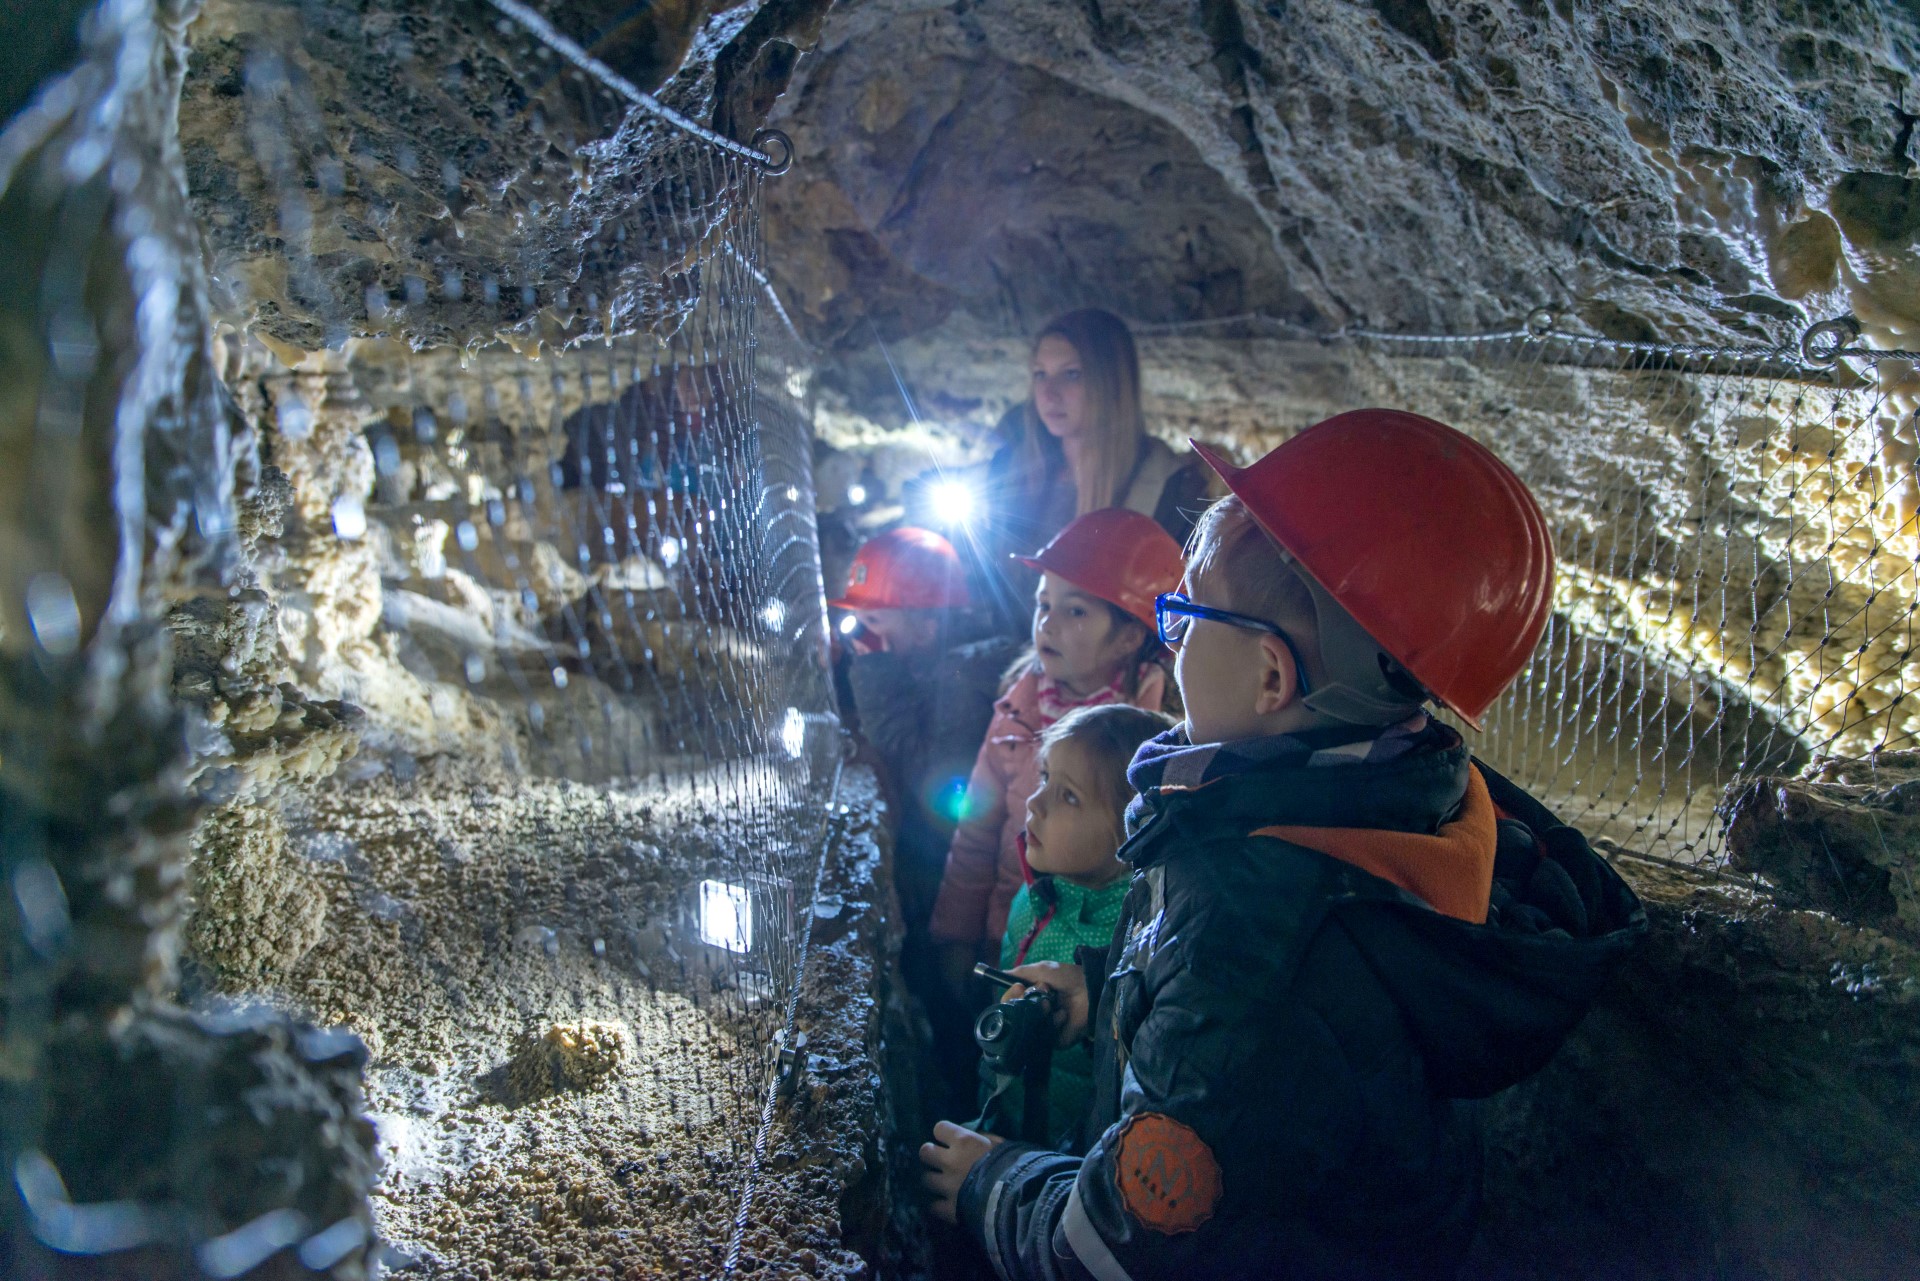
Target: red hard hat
(905, 568)
(1118, 555)
(1430, 542)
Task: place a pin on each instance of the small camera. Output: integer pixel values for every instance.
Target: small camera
(1016, 1045)
(1016, 1036)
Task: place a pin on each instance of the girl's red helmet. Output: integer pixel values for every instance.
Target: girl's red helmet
(905, 568)
(1118, 555)
(1430, 542)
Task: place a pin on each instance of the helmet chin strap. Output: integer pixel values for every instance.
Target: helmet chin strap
(1356, 687)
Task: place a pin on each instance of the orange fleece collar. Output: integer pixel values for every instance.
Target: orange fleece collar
(1452, 872)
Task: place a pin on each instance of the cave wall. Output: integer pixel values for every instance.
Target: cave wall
(1662, 169)
(123, 457)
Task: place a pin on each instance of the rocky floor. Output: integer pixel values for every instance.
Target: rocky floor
(566, 1082)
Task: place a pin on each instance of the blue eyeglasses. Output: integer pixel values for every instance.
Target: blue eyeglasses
(1174, 613)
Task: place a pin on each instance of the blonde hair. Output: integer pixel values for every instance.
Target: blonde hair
(1111, 734)
(1354, 678)
(1110, 373)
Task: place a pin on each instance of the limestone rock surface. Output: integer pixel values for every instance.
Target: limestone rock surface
(1737, 1103)
(1701, 169)
(435, 172)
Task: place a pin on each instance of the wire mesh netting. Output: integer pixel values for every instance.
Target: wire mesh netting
(509, 725)
(606, 545)
(1736, 550)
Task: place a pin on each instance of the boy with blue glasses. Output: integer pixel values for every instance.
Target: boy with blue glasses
(1340, 926)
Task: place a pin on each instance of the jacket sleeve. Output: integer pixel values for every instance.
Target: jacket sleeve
(893, 713)
(973, 860)
(1013, 1202)
(1235, 1103)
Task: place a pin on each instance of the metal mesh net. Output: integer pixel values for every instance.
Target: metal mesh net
(1736, 550)
(607, 546)
(508, 722)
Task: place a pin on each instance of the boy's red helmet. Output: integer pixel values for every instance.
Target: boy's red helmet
(1118, 555)
(905, 568)
(1430, 542)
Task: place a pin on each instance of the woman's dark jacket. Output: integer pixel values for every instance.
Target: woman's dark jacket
(1020, 520)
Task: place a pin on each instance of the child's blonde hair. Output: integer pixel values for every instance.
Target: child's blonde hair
(1110, 734)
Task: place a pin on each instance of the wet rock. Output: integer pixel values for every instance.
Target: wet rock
(148, 1116)
(257, 908)
(1843, 839)
(1738, 1102)
(1424, 166)
(566, 1056)
(437, 173)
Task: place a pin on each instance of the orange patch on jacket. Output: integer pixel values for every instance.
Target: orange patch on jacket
(1452, 872)
(1168, 1177)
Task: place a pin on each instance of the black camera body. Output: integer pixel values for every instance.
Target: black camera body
(1016, 1044)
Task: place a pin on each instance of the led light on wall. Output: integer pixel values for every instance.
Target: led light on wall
(849, 625)
(54, 614)
(726, 916)
(857, 495)
(793, 733)
(349, 517)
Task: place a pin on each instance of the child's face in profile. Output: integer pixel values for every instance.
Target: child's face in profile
(1076, 638)
(1070, 824)
(1229, 682)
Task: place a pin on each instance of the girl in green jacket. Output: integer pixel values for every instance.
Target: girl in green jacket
(1076, 885)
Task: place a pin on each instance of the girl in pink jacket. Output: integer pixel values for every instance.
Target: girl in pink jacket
(1093, 643)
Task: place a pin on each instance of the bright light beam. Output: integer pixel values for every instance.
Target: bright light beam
(793, 733)
(952, 502)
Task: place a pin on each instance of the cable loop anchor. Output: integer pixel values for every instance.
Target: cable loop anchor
(774, 168)
(1829, 340)
(1540, 322)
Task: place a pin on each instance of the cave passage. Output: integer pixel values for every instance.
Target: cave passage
(507, 518)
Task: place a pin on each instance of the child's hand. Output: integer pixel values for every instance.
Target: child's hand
(954, 1152)
(1068, 983)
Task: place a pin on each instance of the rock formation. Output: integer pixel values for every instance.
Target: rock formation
(1699, 170)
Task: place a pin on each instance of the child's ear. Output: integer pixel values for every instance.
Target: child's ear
(1279, 677)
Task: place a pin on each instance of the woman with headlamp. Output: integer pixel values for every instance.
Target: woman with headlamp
(1079, 444)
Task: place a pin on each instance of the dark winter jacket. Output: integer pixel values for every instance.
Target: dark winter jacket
(924, 715)
(1284, 1043)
